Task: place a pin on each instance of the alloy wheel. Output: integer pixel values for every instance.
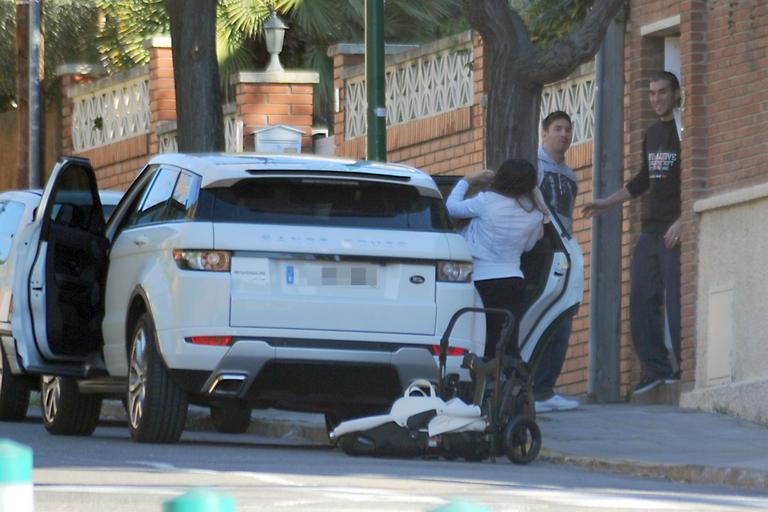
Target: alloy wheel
(51, 396)
(137, 377)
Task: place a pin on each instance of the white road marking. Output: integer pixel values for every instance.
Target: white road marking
(632, 500)
(105, 489)
(261, 477)
(152, 464)
(381, 495)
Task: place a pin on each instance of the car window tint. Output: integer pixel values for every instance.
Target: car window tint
(141, 185)
(74, 201)
(156, 198)
(330, 202)
(184, 199)
(10, 216)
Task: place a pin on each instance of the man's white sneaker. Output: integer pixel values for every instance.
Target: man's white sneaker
(556, 403)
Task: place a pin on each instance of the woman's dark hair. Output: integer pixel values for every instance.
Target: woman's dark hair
(515, 178)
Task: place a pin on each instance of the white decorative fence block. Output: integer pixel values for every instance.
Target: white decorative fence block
(575, 96)
(415, 89)
(166, 141)
(233, 134)
(115, 112)
(355, 123)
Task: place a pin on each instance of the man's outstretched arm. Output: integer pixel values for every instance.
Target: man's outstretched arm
(599, 206)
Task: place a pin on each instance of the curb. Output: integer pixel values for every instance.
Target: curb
(276, 428)
(308, 431)
(198, 419)
(684, 473)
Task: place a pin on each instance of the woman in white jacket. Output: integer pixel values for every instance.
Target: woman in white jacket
(505, 221)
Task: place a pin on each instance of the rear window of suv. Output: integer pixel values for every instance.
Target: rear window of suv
(329, 202)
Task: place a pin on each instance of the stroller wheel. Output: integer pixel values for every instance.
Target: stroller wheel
(522, 440)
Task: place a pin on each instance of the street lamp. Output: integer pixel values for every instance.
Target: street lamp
(274, 30)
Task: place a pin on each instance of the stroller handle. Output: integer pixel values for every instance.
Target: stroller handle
(505, 327)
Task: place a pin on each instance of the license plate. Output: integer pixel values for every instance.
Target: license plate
(332, 275)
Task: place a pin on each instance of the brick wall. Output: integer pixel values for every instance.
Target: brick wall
(694, 148)
(162, 92)
(575, 374)
(448, 143)
(729, 71)
(724, 70)
(115, 164)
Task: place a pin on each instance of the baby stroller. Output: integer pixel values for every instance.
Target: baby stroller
(436, 422)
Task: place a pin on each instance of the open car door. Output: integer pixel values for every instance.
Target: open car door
(554, 285)
(554, 281)
(59, 286)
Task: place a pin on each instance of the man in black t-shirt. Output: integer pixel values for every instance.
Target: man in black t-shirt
(655, 266)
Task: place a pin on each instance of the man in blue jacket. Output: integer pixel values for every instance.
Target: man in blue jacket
(558, 185)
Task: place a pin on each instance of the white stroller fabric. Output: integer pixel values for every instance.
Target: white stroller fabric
(457, 417)
(451, 416)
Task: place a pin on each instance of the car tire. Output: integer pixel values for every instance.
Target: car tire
(66, 411)
(157, 407)
(231, 419)
(14, 394)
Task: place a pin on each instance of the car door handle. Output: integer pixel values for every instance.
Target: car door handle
(141, 240)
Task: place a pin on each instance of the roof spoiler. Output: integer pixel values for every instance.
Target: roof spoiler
(325, 174)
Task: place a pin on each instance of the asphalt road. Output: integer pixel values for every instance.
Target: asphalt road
(109, 472)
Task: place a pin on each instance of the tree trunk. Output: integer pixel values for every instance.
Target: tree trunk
(512, 116)
(516, 71)
(22, 95)
(199, 116)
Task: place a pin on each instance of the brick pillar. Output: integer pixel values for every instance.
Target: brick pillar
(345, 56)
(479, 102)
(268, 98)
(71, 76)
(162, 94)
(694, 146)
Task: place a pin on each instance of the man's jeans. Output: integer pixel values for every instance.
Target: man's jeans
(551, 361)
(655, 282)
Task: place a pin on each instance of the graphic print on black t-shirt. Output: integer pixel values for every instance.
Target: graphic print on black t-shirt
(559, 192)
(660, 177)
(659, 164)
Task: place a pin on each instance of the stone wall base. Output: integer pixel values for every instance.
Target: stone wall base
(742, 399)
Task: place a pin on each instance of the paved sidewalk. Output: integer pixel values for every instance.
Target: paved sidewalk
(645, 440)
(659, 441)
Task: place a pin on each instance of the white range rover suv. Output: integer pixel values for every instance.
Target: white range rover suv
(236, 281)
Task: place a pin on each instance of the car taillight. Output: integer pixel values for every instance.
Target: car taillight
(218, 341)
(214, 261)
(451, 351)
(454, 271)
